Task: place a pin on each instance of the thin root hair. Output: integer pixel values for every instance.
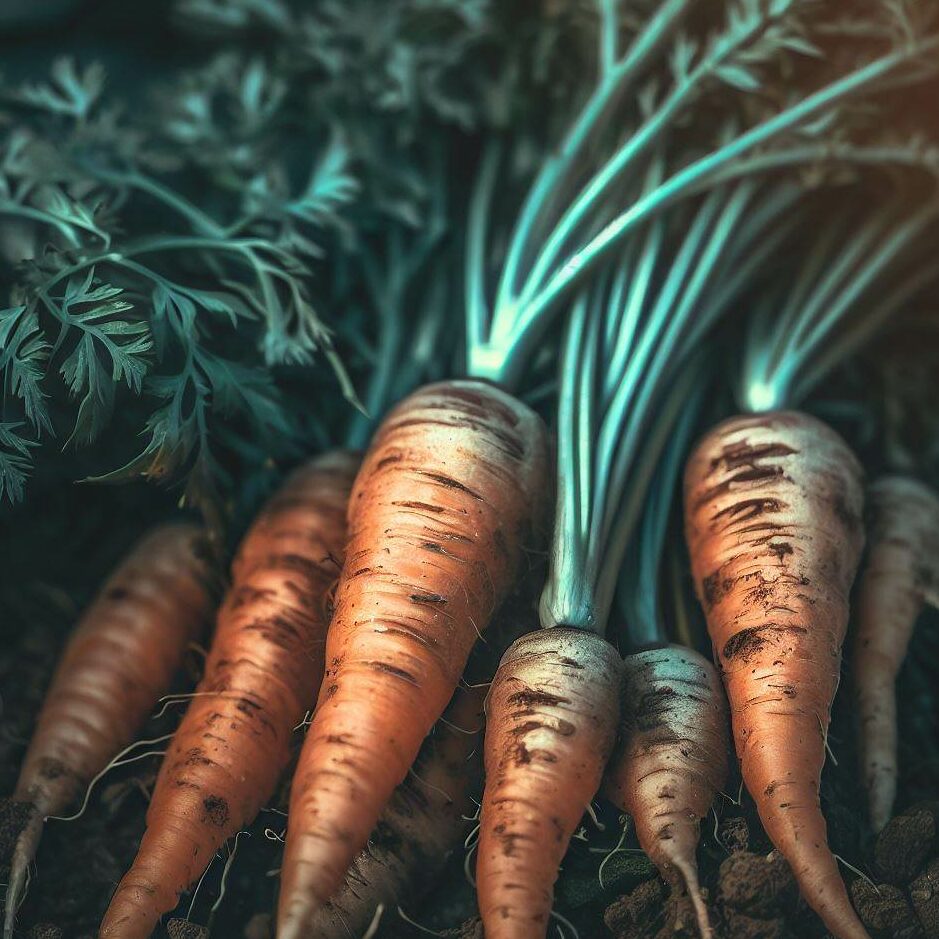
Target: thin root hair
(467, 864)
(117, 761)
(857, 871)
(592, 812)
(228, 863)
(567, 924)
(374, 924)
(416, 925)
(617, 848)
(446, 795)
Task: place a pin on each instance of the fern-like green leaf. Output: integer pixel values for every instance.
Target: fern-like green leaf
(72, 92)
(15, 461)
(24, 353)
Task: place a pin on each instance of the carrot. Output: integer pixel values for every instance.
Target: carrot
(419, 829)
(553, 707)
(441, 513)
(901, 575)
(672, 761)
(261, 675)
(120, 660)
(426, 819)
(773, 522)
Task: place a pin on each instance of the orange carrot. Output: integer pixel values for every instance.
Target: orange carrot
(773, 521)
(447, 500)
(121, 659)
(901, 575)
(421, 826)
(262, 674)
(672, 760)
(428, 816)
(553, 709)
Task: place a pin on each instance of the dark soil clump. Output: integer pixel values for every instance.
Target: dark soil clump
(637, 914)
(906, 843)
(13, 819)
(885, 910)
(756, 886)
(181, 929)
(924, 892)
(45, 931)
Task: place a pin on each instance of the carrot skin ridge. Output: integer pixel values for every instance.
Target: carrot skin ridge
(261, 676)
(420, 827)
(671, 760)
(117, 664)
(901, 575)
(450, 495)
(773, 506)
(429, 814)
(553, 711)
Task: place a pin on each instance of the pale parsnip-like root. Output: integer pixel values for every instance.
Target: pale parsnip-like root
(451, 494)
(900, 576)
(671, 761)
(553, 713)
(121, 659)
(773, 506)
(261, 676)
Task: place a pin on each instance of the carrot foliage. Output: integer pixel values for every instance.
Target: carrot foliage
(184, 254)
(598, 190)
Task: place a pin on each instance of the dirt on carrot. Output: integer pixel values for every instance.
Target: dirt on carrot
(450, 497)
(261, 676)
(773, 506)
(552, 716)
(671, 761)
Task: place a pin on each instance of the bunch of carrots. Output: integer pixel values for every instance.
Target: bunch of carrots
(381, 591)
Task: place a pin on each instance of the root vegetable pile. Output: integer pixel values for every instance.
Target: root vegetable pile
(701, 194)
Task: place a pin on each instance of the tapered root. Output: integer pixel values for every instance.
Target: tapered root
(121, 658)
(261, 676)
(672, 760)
(773, 506)
(553, 711)
(900, 577)
(449, 497)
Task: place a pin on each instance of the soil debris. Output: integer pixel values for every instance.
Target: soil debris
(907, 842)
(637, 914)
(13, 819)
(45, 931)
(885, 910)
(924, 892)
(756, 885)
(183, 929)
(471, 929)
